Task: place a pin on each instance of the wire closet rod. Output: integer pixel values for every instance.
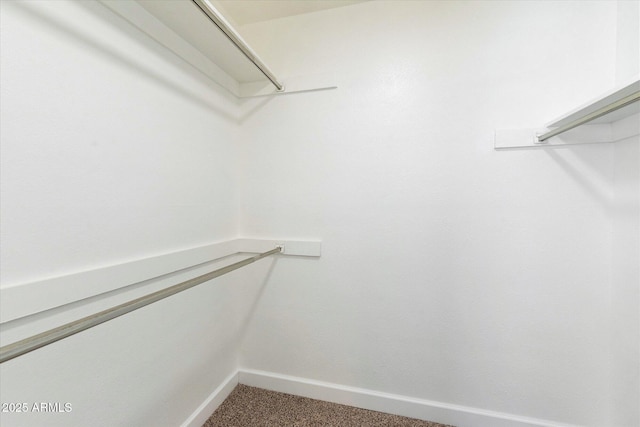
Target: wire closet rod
(235, 38)
(621, 103)
(35, 342)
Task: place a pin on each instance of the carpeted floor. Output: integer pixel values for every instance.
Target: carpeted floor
(250, 406)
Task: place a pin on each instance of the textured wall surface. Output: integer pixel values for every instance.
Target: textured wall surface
(504, 281)
(450, 272)
(113, 150)
(625, 284)
(112, 147)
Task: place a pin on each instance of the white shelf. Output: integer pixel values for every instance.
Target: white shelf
(617, 125)
(601, 102)
(186, 20)
(19, 300)
(180, 26)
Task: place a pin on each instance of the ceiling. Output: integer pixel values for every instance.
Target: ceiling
(242, 12)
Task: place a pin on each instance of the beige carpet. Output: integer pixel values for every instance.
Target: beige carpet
(251, 406)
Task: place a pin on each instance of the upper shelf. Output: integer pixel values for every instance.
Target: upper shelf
(608, 108)
(610, 117)
(182, 27)
(188, 21)
(601, 102)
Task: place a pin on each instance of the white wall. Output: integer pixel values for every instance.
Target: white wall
(107, 139)
(450, 272)
(628, 42)
(113, 150)
(625, 285)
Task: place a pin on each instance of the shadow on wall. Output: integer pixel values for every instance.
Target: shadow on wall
(256, 298)
(255, 108)
(116, 57)
(588, 169)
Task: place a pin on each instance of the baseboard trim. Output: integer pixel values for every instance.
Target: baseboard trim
(211, 403)
(459, 416)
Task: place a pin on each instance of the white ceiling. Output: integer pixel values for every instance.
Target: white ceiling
(242, 12)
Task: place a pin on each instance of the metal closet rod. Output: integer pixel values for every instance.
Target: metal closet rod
(235, 38)
(34, 342)
(623, 102)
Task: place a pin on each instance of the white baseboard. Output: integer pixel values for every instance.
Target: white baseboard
(211, 403)
(459, 416)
